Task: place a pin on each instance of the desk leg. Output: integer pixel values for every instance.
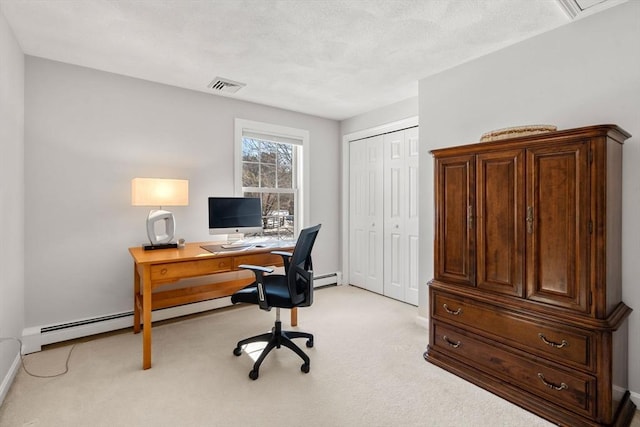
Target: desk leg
(294, 316)
(146, 318)
(136, 299)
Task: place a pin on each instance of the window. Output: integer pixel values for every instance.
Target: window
(270, 165)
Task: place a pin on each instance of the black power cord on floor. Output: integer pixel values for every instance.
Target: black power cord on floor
(66, 363)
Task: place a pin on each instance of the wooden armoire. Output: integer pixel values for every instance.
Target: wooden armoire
(526, 299)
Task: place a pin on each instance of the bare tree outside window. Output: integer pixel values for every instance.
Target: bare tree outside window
(268, 173)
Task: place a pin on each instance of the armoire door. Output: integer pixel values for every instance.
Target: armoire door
(557, 222)
(500, 239)
(366, 214)
(455, 220)
(401, 256)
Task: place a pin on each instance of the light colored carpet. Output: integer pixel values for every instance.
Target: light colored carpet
(367, 369)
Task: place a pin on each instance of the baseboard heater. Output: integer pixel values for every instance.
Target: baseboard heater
(326, 280)
(35, 337)
(77, 323)
(318, 281)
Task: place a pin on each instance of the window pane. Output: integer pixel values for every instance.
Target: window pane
(268, 152)
(269, 203)
(267, 176)
(285, 166)
(269, 206)
(250, 150)
(249, 194)
(288, 209)
(250, 174)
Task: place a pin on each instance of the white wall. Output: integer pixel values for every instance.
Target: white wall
(88, 133)
(585, 73)
(11, 202)
(381, 116)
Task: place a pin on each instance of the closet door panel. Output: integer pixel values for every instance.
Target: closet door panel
(395, 211)
(412, 218)
(365, 214)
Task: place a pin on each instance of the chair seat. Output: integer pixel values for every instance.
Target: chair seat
(276, 292)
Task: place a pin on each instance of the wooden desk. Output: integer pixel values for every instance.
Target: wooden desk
(163, 266)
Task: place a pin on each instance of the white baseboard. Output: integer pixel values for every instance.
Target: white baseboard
(8, 378)
(33, 338)
(422, 321)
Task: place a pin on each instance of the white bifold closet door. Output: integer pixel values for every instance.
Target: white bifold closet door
(383, 214)
(365, 214)
(400, 198)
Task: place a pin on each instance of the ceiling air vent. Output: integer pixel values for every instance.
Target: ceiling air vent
(220, 84)
(579, 8)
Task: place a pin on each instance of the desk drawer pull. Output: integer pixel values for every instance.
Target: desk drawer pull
(163, 271)
(448, 310)
(552, 386)
(544, 339)
(451, 343)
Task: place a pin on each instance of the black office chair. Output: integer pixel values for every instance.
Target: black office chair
(294, 289)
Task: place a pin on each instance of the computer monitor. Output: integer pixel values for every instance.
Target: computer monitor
(234, 215)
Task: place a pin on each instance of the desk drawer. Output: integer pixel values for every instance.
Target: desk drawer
(553, 341)
(264, 259)
(572, 390)
(180, 270)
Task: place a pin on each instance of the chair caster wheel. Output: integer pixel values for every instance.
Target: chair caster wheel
(254, 375)
(309, 343)
(237, 351)
(305, 368)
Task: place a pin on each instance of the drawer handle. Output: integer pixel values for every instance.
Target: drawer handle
(451, 343)
(163, 271)
(448, 310)
(544, 339)
(561, 387)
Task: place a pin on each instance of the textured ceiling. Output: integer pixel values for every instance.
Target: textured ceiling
(328, 58)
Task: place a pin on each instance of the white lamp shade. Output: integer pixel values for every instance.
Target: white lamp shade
(159, 192)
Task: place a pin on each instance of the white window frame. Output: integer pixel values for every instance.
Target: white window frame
(301, 174)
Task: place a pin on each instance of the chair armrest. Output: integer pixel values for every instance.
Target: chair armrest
(286, 258)
(259, 271)
(282, 253)
(256, 268)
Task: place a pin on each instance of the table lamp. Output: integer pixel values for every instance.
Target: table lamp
(161, 223)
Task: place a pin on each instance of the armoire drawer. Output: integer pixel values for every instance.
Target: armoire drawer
(574, 391)
(548, 340)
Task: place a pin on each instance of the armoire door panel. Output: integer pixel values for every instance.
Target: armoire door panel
(455, 230)
(500, 231)
(557, 226)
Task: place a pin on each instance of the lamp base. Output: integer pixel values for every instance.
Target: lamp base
(160, 246)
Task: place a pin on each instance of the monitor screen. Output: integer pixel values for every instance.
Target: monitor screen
(229, 215)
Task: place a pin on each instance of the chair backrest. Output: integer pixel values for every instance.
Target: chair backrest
(300, 272)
